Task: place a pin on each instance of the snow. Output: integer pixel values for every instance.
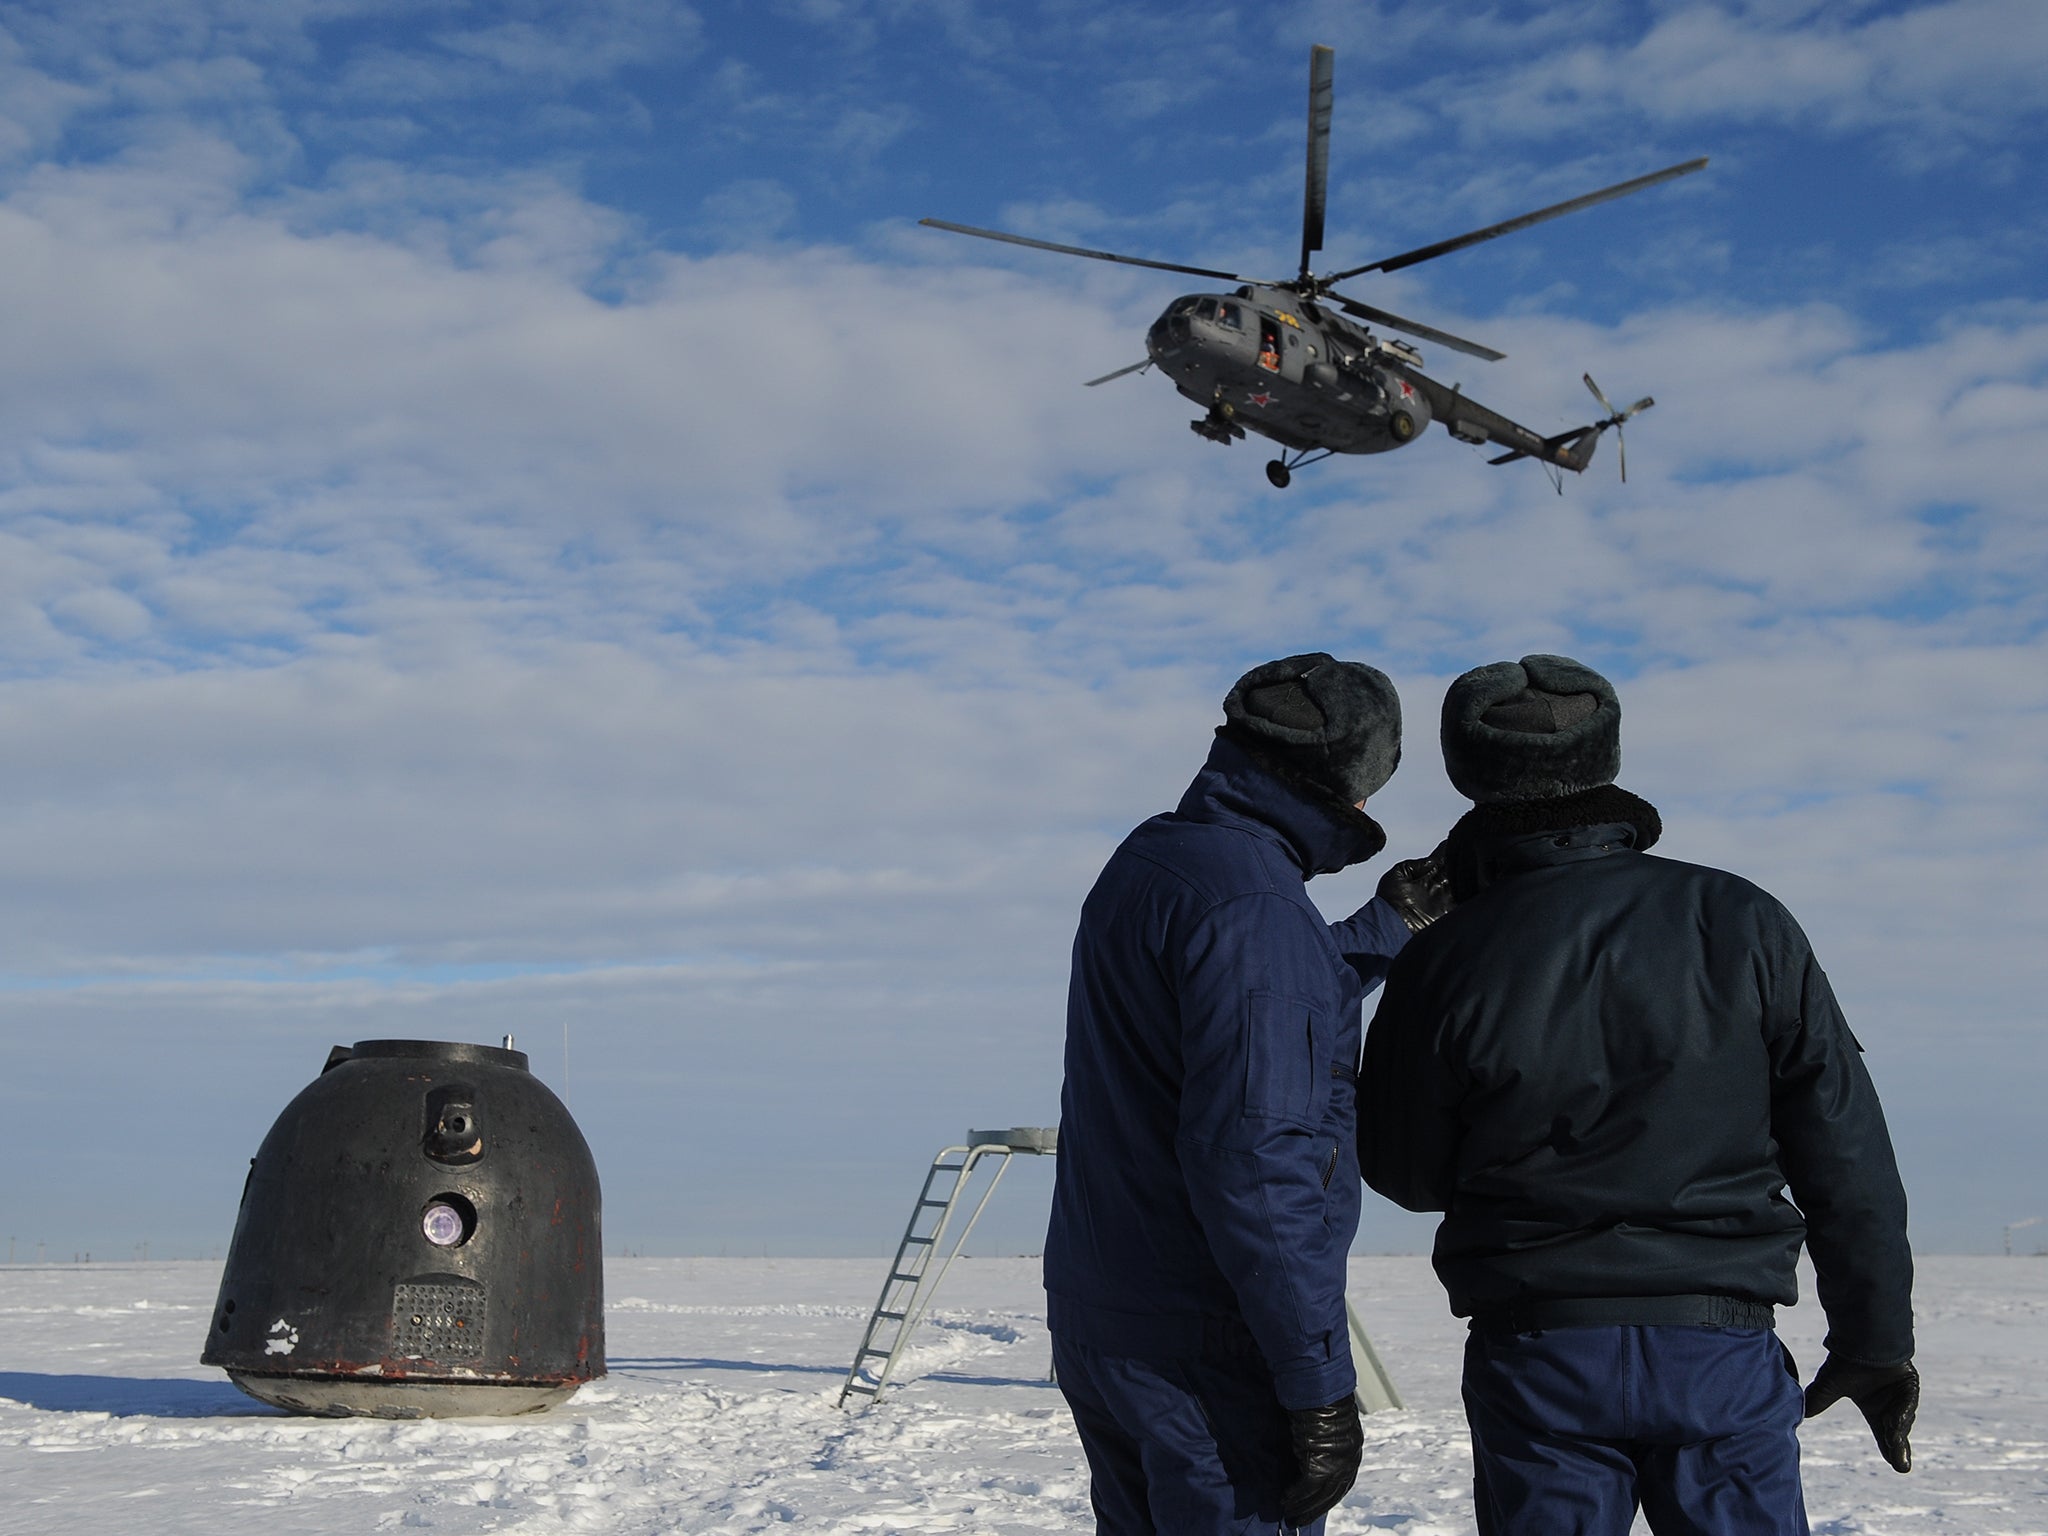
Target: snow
(719, 1416)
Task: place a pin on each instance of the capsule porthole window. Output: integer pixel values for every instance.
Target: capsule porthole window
(448, 1221)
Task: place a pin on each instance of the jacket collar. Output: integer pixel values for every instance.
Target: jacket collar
(1320, 835)
(1496, 841)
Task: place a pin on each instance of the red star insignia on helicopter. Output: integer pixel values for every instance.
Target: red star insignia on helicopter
(1407, 390)
(1261, 398)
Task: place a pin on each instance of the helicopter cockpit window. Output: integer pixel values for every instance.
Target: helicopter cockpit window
(1229, 314)
(1182, 306)
(1205, 309)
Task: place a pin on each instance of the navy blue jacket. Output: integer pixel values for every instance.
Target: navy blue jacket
(1616, 1074)
(1207, 1188)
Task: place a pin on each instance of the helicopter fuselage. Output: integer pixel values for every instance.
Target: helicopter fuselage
(1265, 360)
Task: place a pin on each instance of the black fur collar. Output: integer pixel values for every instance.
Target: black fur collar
(1485, 827)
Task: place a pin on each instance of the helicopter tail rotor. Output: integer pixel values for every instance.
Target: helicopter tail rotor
(1573, 450)
(1614, 419)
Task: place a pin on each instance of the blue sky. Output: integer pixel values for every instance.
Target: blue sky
(506, 524)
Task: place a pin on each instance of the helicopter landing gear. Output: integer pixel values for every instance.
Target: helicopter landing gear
(1281, 470)
(1219, 426)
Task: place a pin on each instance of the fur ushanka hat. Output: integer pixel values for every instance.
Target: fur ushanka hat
(1534, 729)
(1334, 725)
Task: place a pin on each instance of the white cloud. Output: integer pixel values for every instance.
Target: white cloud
(426, 607)
(750, 213)
(593, 39)
(1938, 77)
(978, 30)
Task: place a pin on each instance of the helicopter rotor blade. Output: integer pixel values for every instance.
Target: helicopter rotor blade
(1524, 221)
(1607, 405)
(1132, 368)
(1413, 327)
(1620, 439)
(1614, 419)
(1075, 250)
(1315, 197)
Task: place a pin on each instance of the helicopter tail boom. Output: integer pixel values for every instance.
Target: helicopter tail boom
(1571, 450)
(1469, 421)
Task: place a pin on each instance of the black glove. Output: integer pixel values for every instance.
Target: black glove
(1418, 889)
(1889, 1396)
(1328, 1443)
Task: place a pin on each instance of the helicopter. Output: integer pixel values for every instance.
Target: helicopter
(1283, 358)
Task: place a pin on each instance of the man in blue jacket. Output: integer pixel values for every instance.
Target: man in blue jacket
(1207, 1185)
(1616, 1074)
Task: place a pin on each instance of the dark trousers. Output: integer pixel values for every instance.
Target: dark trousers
(1195, 1446)
(1574, 1428)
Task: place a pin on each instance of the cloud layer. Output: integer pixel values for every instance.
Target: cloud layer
(445, 593)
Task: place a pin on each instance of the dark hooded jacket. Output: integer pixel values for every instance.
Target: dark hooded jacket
(1207, 1186)
(1617, 1073)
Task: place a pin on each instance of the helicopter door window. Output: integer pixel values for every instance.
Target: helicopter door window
(1269, 344)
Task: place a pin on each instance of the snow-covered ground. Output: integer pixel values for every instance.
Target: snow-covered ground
(718, 1416)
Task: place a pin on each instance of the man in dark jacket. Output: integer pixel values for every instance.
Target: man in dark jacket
(1207, 1187)
(1615, 1074)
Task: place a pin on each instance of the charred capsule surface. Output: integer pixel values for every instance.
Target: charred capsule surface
(418, 1237)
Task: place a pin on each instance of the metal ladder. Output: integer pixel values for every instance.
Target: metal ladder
(907, 1291)
(1375, 1391)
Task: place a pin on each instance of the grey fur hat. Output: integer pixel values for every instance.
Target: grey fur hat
(1533, 729)
(1335, 725)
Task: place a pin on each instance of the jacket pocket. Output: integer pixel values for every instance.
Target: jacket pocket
(1285, 1077)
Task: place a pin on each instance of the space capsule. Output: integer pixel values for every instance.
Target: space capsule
(418, 1238)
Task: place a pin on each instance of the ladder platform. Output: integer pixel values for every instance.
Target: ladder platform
(1042, 1140)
